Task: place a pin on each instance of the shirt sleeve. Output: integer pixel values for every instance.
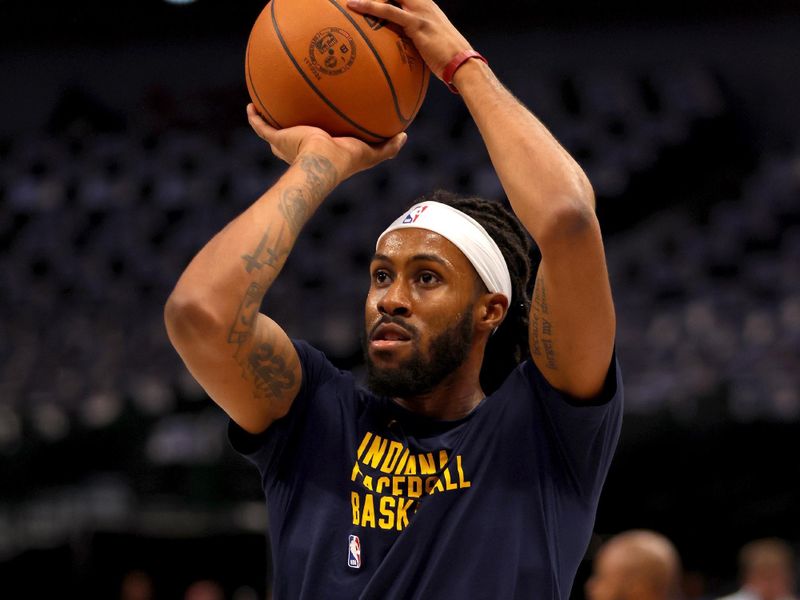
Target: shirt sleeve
(265, 449)
(584, 434)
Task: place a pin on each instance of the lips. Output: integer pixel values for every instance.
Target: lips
(390, 332)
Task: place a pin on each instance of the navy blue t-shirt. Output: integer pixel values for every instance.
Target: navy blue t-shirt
(368, 500)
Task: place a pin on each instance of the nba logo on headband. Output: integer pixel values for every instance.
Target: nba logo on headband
(414, 214)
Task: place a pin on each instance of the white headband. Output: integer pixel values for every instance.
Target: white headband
(467, 234)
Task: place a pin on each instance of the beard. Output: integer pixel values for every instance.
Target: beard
(421, 373)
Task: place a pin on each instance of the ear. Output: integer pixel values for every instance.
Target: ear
(492, 309)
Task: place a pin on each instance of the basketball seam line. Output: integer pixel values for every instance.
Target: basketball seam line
(377, 56)
(311, 84)
(422, 90)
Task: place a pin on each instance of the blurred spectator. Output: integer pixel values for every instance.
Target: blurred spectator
(766, 571)
(136, 585)
(635, 565)
(204, 589)
(245, 593)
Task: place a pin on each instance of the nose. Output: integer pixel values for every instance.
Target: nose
(395, 300)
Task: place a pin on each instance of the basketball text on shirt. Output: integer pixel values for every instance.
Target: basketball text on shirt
(393, 480)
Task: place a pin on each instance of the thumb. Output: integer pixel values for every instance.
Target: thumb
(392, 146)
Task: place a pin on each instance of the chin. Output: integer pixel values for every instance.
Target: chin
(391, 386)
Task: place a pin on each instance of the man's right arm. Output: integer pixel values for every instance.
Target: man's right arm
(243, 359)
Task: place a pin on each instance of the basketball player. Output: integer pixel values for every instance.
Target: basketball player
(473, 466)
(635, 565)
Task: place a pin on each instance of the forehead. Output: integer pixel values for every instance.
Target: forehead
(402, 245)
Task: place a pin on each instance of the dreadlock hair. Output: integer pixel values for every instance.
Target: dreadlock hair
(507, 346)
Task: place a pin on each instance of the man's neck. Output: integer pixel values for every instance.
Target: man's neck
(455, 397)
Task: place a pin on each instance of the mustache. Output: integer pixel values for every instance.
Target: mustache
(412, 331)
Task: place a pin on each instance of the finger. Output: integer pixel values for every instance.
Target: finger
(259, 125)
(382, 10)
(390, 148)
(252, 114)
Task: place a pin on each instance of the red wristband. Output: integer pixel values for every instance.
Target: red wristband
(458, 60)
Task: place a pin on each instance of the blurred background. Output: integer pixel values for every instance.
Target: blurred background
(124, 147)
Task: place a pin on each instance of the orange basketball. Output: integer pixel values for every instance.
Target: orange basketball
(316, 62)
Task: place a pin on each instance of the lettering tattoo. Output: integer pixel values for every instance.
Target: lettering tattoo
(542, 330)
(536, 344)
(536, 318)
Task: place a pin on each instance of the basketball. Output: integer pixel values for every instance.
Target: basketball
(316, 62)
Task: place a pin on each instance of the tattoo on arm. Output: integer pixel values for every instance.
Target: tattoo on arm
(320, 174)
(293, 204)
(269, 371)
(245, 320)
(272, 253)
(542, 340)
(320, 177)
(294, 207)
(271, 375)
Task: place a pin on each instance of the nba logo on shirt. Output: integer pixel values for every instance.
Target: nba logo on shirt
(412, 216)
(354, 552)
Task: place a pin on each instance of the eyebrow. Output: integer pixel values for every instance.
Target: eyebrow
(416, 257)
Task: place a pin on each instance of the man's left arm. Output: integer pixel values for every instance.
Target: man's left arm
(572, 313)
(572, 321)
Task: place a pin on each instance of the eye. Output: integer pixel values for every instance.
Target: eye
(428, 278)
(380, 276)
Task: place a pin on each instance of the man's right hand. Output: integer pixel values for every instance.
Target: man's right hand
(349, 155)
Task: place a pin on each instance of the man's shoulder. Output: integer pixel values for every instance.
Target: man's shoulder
(315, 362)
(612, 388)
(321, 375)
(522, 375)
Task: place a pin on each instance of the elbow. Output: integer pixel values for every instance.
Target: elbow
(187, 319)
(569, 221)
(570, 212)
(580, 189)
